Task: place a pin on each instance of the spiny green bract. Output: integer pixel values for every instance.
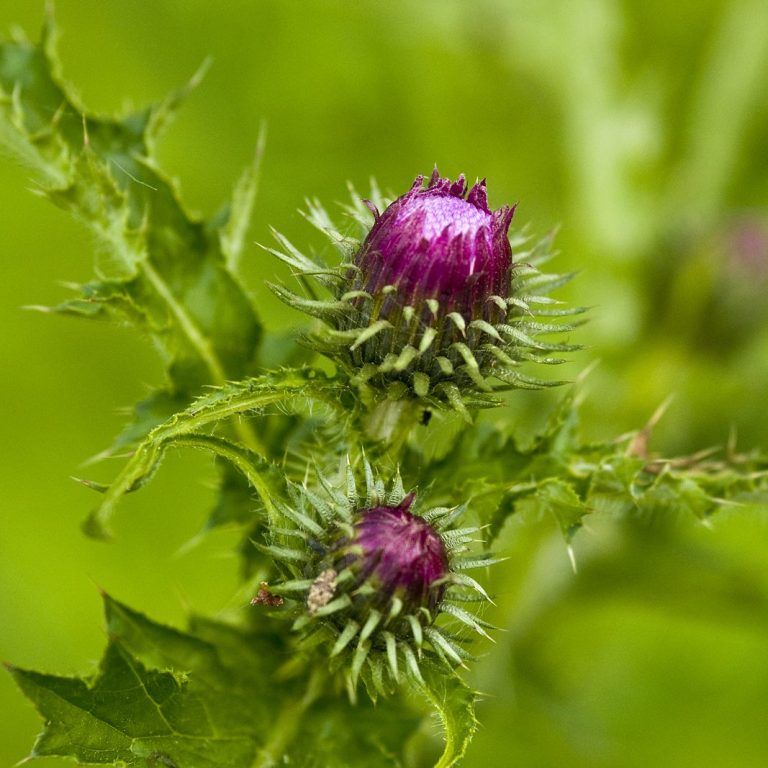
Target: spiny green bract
(394, 341)
(373, 624)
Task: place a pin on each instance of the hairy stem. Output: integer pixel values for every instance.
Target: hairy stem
(204, 349)
(390, 422)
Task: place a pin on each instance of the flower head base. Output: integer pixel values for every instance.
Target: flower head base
(429, 304)
(374, 581)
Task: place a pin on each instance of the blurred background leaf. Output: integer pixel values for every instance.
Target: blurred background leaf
(640, 128)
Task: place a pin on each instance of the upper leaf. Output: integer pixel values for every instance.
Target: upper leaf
(163, 271)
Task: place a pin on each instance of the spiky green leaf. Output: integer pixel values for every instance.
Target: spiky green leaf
(159, 268)
(209, 696)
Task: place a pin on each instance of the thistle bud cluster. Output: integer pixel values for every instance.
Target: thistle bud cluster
(376, 582)
(430, 304)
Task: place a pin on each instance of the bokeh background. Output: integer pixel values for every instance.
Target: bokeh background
(640, 128)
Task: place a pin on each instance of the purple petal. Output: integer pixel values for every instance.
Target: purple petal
(434, 243)
(402, 553)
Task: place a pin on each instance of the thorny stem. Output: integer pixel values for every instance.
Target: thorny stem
(204, 349)
(287, 722)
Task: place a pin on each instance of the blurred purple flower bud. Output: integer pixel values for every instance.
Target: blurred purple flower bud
(748, 248)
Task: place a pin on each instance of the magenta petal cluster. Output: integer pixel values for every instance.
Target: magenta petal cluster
(403, 554)
(439, 242)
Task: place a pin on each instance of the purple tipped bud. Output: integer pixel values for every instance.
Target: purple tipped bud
(433, 309)
(441, 243)
(402, 555)
(374, 577)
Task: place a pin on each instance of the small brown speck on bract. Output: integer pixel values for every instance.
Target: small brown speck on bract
(322, 590)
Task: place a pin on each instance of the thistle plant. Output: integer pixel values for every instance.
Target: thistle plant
(357, 543)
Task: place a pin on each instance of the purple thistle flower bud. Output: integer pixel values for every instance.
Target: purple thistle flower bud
(402, 554)
(431, 282)
(429, 306)
(439, 243)
(372, 581)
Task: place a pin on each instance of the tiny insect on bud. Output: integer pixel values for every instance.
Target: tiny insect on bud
(265, 597)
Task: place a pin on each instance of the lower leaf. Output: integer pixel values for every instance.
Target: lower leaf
(215, 695)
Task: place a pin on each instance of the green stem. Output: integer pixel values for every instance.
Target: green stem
(390, 422)
(204, 349)
(241, 458)
(287, 723)
(217, 407)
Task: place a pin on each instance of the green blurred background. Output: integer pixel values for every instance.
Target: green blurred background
(641, 128)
